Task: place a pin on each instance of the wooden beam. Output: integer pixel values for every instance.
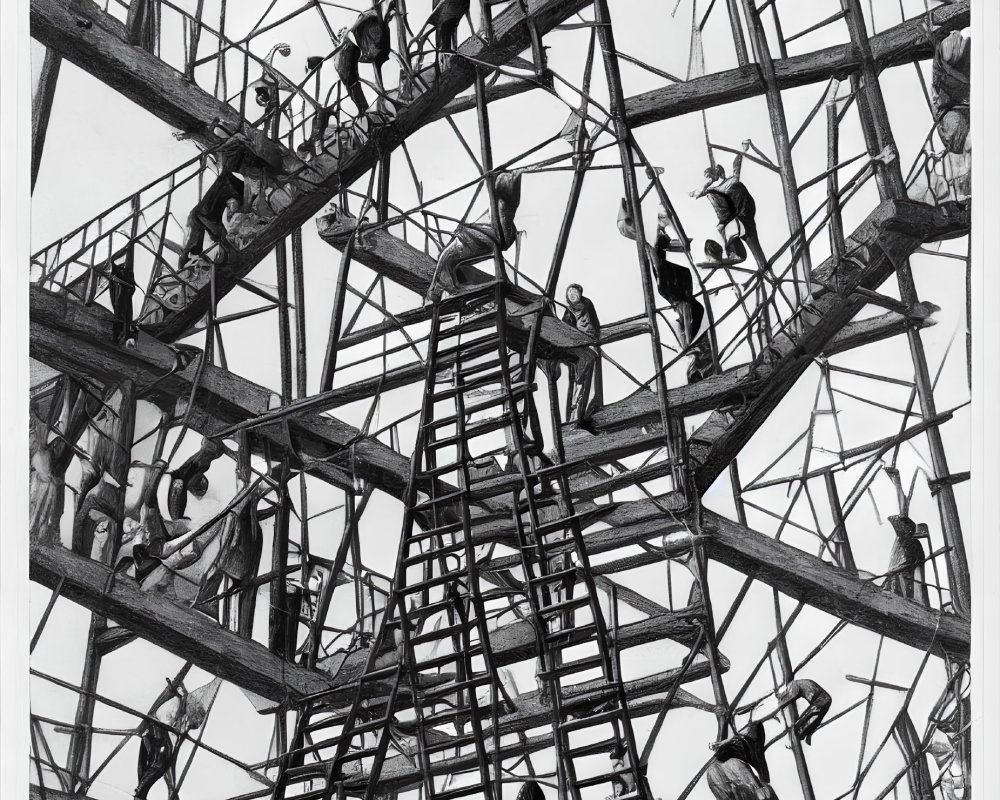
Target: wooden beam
(41, 109)
(900, 44)
(48, 793)
(886, 238)
(82, 33)
(645, 695)
(505, 87)
(891, 231)
(831, 589)
(73, 337)
(185, 632)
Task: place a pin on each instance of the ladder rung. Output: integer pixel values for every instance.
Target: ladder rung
(456, 688)
(552, 577)
(597, 780)
(571, 667)
(443, 530)
(566, 605)
(580, 633)
(589, 721)
(477, 323)
(477, 369)
(547, 528)
(462, 791)
(483, 380)
(471, 350)
(442, 633)
(432, 555)
(451, 497)
(592, 749)
(368, 727)
(590, 699)
(516, 390)
(439, 661)
(471, 432)
(437, 580)
(305, 772)
(357, 755)
(459, 299)
(453, 743)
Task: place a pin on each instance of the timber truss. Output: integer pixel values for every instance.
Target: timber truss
(545, 614)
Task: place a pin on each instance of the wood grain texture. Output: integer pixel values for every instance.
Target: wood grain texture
(900, 44)
(101, 48)
(888, 236)
(185, 632)
(832, 589)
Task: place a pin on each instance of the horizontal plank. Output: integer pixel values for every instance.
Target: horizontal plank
(646, 696)
(831, 589)
(100, 48)
(183, 631)
(900, 44)
(887, 237)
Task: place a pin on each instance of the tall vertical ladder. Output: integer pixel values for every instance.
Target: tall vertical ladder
(437, 571)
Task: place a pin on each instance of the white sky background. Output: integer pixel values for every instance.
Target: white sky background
(101, 147)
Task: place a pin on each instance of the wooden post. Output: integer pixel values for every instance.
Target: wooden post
(738, 40)
(791, 713)
(340, 295)
(110, 456)
(41, 109)
(841, 544)
(783, 149)
(607, 39)
(878, 136)
(832, 182)
(284, 325)
(299, 284)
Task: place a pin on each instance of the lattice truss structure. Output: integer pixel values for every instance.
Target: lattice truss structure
(320, 437)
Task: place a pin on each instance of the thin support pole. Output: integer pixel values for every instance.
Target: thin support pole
(791, 713)
(607, 40)
(878, 136)
(782, 146)
(112, 456)
(299, 287)
(41, 109)
(837, 246)
(330, 362)
(45, 615)
(738, 39)
(284, 323)
(841, 544)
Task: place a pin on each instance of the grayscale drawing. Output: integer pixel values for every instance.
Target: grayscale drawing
(536, 399)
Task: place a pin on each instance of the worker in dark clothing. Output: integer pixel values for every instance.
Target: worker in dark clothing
(191, 477)
(732, 202)
(444, 20)
(674, 282)
(155, 756)
(367, 41)
(586, 379)
(811, 717)
(739, 771)
(122, 289)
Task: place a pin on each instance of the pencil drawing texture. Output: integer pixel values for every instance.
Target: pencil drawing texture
(527, 398)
